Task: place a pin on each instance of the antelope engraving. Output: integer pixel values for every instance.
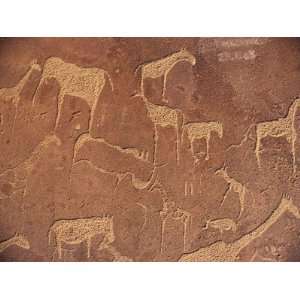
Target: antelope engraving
(82, 230)
(283, 127)
(17, 240)
(202, 130)
(234, 186)
(159, 114)
(221, 251)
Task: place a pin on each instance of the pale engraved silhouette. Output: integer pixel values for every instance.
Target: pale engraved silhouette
(163, 66)
(17, 240)
(171, 211)
(86, 83)
(234, 186)
(82, 230)
(159, 114)
(202, 130)
(283, 127)
(222, 225)
(221, 251)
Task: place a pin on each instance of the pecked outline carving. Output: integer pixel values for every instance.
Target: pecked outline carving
(283, 127)
(221, 251)
(18, 240)
(202, 130)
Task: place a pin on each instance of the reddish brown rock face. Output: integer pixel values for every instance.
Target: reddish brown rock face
(149, 149)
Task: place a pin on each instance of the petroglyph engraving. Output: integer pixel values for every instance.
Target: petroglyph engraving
(15, 91)
(234, 186)
(202, 130)
(75, 141)
(283, 127)
(188, 188)
(17, 240)
(221, 251)
(86, 83)
(222, 225)
(137, 182)
(162, 115)
(163, 66)
(81, 230)
(171, 211)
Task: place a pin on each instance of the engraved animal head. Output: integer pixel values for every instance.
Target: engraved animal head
(221, 172)
(21, 242)
(219, 129)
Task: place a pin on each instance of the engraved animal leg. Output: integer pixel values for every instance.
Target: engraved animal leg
(294, 137)
(225, 195)
(105, 242)
(59, 249)
(242, 194)
(257, 147)
(89, 243)
(162, 235)
(207, 146)
(178, 137)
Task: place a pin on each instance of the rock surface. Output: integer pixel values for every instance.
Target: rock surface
(149, 149)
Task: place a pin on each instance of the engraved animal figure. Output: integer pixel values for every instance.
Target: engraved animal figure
(202, 130)
(164, 117)
(235, 186)
(159, 114)
(163, 66)
(221, 251)
(82, 230)
(86, 83)
(171, 211)
(283, 127)
(222, 225)
(17, 240)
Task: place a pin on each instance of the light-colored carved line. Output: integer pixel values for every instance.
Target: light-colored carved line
(221, 251)
(243, 140)
(76, 231)
(202, 130)
(161, 67)
(17, 240)
(282, 127)
(86, 83)
(235, 186)
(145, 215)
(158, 114)
(222, 224)
(86, 137)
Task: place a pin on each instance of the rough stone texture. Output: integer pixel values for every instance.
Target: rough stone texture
(149, 149)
